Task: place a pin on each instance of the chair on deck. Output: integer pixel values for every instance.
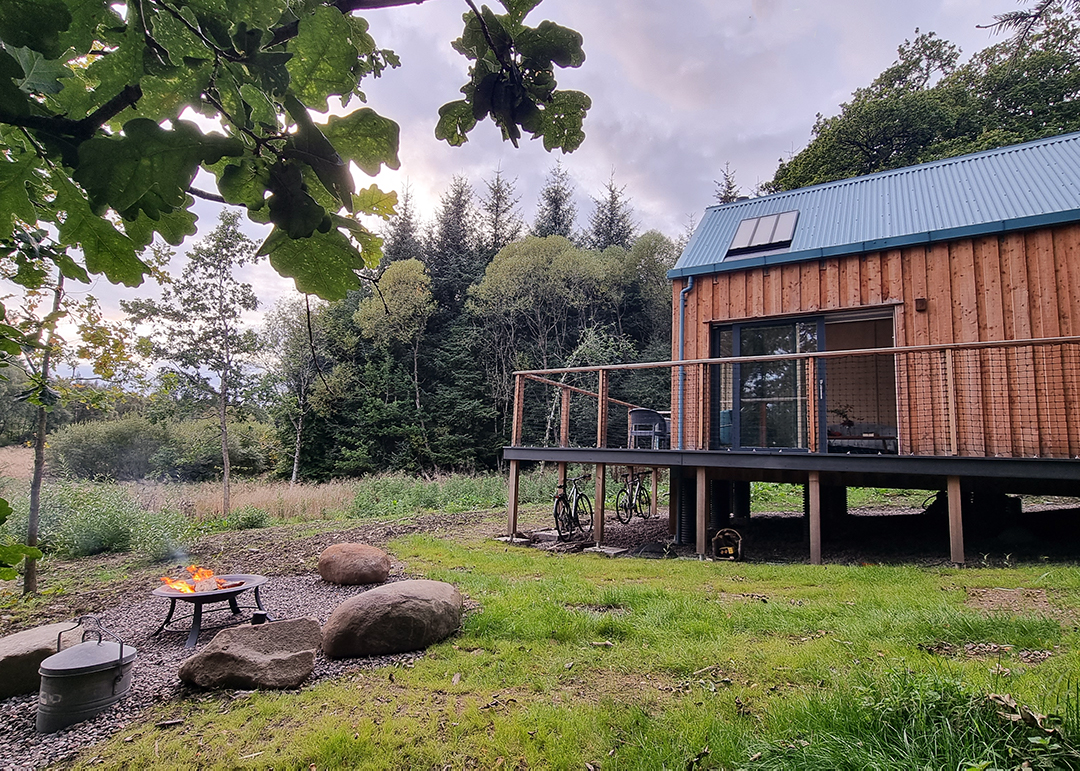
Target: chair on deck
(649, 425)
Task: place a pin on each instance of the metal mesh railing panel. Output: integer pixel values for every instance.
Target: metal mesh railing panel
(1017, 400)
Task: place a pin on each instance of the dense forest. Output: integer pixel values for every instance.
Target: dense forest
(410, 372)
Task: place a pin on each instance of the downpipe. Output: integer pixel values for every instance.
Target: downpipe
(682, 355)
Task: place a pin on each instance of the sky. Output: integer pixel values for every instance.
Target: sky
(679, 88)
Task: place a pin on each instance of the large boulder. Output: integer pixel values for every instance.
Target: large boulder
(280, 654)
(398, 617)
(353, 563)
(22, 653)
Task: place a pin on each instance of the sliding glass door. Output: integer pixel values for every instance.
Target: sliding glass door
(764, 404)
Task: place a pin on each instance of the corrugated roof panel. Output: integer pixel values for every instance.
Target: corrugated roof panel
(991, 190)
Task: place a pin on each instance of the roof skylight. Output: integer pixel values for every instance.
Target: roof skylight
(758, 234)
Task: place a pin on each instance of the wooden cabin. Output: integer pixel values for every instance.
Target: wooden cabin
(912, 328)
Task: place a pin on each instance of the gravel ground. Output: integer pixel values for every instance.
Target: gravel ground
(155, 681)
(127, 609)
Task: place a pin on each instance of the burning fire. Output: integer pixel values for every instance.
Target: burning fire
(198, 576)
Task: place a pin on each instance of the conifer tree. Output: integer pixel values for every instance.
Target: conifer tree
(612, 220)
(727, 189)
(500, 220)
(403, 236)
(451, 255)
(555, 210)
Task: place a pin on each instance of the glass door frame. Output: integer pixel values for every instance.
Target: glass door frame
(736, 384)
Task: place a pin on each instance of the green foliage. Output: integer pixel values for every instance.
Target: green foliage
(396, 495)
(79, 519)
(12, 552)
(194, 451)
(926, 107)
(244, 518)
(904, 719)
(96, 155)
(120, 449)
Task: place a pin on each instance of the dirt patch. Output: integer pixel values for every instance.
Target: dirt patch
(1014, 602)
(989, 651)
(17, 462)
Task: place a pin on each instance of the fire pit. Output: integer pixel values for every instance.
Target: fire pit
(204, 589)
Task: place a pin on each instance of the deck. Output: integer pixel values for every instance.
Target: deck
(999, 417)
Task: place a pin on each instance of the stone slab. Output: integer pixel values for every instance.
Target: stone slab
(517, 541)
(22, 653)
(607, 551)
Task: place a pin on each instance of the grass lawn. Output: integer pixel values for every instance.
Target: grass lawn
(578, 661)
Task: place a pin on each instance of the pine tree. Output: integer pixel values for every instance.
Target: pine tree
(451, 255)
(727, 189)
(500, 220)
(555, 210)
(403, 240)
(612, 220)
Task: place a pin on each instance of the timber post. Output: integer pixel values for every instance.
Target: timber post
(956, 522)
(701, 505)
(515, 466)
(601, 468)
(814, 493)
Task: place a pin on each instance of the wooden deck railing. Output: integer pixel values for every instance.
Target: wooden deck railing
(1005, 399)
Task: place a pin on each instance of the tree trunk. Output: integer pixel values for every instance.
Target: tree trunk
(30, 574)
(34, 519)
(224, 448)
(299, 426)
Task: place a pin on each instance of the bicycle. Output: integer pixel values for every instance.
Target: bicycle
(573, 510)
(632, 499)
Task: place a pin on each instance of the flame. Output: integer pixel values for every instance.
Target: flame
(188, 587)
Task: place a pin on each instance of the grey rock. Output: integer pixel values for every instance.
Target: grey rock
(353, 563)
(398, 617)
(22, 653)
(280, 654)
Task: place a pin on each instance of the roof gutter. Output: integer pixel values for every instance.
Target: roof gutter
(682, 355)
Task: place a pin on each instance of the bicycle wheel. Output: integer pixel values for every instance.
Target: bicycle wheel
(563, 517)
(623, 510)
(583, 514)
(642, 503)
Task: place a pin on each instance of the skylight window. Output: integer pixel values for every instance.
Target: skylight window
(768, 233)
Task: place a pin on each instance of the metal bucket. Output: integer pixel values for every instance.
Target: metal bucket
(81, 681)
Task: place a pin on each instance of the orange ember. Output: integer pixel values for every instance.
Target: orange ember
(198, 575)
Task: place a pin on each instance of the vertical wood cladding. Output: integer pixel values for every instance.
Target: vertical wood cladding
(989, 288)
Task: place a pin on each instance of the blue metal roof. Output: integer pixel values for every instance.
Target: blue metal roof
(1009, 188)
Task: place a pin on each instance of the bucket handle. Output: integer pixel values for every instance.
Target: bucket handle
(98, 629)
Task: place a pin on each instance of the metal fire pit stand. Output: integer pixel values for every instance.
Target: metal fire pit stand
(198, 599)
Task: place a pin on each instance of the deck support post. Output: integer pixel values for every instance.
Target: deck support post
(956, 522)
(512, 499)
(598, 509)
(814, 494)
(674, 480)
(702, 509)
(654, 504)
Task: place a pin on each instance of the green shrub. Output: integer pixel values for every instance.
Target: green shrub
(194, 453)
(244, 518)
(78, 519)
(107, 449)
(392, 495)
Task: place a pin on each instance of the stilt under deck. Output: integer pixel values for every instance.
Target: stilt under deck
(817, 472)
